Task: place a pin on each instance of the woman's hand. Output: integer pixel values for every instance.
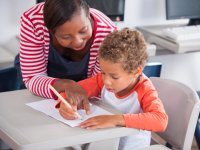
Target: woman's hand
(103, 121)
(76, 97)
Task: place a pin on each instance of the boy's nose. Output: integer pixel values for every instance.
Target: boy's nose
(107, 82)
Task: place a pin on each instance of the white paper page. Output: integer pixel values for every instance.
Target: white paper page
(48, 107)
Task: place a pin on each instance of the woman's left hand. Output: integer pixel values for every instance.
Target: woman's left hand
(103, 121)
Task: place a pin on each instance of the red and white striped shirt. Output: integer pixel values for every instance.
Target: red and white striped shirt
(34, 48)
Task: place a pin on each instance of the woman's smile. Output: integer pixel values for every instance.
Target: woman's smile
(80, 47)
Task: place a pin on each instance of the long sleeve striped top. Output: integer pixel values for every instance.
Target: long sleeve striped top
(34, 48)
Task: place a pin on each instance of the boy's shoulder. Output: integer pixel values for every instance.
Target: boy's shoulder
(144, 84)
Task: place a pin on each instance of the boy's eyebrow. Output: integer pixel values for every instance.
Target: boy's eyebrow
(113, 74)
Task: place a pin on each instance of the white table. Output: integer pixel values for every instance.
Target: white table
(181, 67)
(22, 127)
(154, 35)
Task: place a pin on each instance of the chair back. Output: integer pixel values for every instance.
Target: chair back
(182, 106)
(152, 69)
(8, 79)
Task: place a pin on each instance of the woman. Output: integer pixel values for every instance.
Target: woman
(59, 40)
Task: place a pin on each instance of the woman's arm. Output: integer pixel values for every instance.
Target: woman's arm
(34, 52)
(78, 96)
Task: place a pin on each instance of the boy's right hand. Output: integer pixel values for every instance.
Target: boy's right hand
(74, 94)
(68, 114)
(77, 97)
(79, 101)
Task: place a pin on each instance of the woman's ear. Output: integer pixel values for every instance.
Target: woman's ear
(88, 15)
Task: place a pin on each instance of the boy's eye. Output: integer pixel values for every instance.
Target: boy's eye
(115, 78)
(102, 73)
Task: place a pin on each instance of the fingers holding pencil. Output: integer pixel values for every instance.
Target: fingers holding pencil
(78, 98)
(66, 110)
(68, 114)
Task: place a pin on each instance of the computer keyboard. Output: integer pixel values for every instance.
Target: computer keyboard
(182, 33)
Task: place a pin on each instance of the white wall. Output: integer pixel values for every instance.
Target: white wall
(145, 12)
(10, 12)
(137, 13)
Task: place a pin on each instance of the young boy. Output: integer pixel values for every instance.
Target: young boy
(122, 84)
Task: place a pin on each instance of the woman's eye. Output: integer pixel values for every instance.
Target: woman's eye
(84, 30)
(66, 37)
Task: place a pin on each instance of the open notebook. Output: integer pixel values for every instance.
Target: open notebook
(47, 106)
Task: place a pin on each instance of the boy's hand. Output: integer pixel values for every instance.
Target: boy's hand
(68, 114)
(103, 121)
(77, 97)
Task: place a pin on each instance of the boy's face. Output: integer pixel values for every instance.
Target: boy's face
(115, 79)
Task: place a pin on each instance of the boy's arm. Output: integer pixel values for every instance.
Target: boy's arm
(153, 117)
(92, 86)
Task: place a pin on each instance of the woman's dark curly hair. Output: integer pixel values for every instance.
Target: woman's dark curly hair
(126, 46)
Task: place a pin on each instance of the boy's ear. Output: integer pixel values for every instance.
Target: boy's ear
(137, 71)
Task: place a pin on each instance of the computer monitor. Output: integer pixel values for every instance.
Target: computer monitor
(39, 1)
(114, 9)
(184, 9)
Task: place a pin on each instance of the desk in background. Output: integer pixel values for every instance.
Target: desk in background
(176, 65)
(22, 127)
(154, 35)
(181, 67)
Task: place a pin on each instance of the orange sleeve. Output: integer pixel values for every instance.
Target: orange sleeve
(153, 117)
(92, 86)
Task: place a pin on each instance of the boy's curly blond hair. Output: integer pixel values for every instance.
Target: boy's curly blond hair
(126, 46)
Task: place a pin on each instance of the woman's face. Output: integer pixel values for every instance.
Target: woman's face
(76, 32)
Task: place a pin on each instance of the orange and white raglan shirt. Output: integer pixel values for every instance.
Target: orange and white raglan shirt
(141, 108)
